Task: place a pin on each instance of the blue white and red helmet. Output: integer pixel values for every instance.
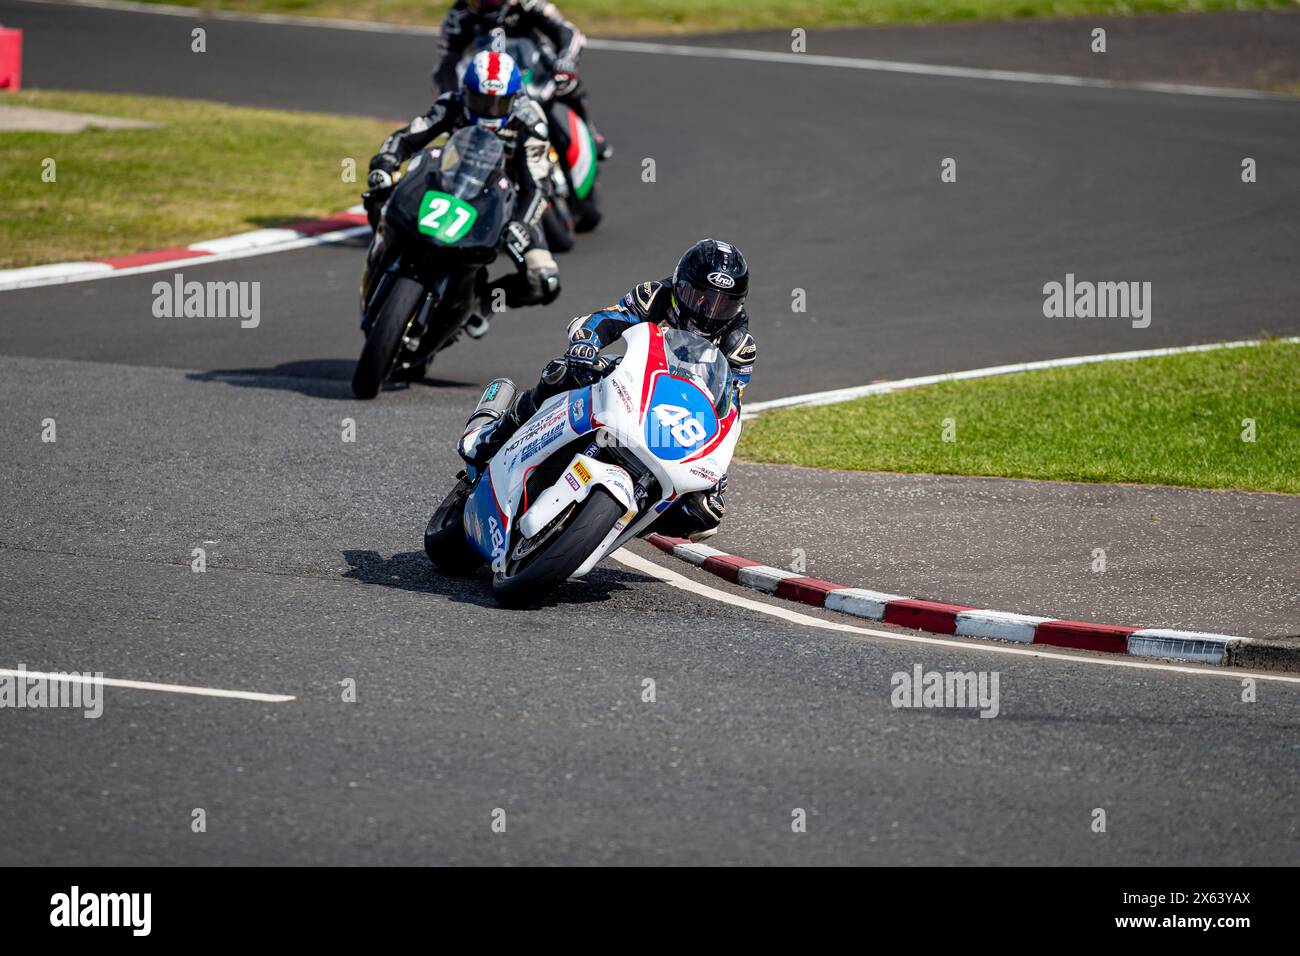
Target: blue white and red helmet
(492, 81)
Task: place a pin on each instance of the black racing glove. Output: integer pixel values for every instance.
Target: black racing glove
(381, 183)
(583, 359)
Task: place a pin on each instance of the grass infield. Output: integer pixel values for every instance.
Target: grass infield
(205, 171)
(1173, 420)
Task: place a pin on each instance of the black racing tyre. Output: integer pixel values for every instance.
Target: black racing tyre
(557, 224)
(586, 212)
(524, 583)
(385, 338)
(444, 537)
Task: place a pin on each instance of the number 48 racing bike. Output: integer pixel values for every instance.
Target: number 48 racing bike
(593, 468)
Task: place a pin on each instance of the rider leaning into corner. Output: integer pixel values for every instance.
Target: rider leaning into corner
(468, 20)
(705, 295)
(490, 98)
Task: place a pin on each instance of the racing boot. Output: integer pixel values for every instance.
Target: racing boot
(695, 516)
(479, 443)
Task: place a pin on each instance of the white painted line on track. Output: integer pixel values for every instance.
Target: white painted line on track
(836, 395)
(147, 685)
(927, 69)
(637, 563)
(705, 52)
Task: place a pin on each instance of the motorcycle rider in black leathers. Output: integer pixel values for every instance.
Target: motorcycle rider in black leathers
(520, 123)
(705, 295)
(467, 20)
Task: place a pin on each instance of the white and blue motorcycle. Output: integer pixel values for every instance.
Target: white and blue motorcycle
(595, 467)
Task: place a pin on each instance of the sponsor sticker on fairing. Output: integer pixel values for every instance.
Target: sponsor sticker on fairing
(624, 398)
(581, 471)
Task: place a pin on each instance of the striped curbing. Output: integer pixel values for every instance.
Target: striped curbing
(296, 235)
(938, 617)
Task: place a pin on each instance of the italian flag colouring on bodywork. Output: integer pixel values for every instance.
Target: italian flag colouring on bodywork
(580, 156)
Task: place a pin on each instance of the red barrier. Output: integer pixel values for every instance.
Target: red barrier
(11, 59)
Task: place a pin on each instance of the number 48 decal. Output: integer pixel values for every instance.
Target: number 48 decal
(445, 217)
(686, 430)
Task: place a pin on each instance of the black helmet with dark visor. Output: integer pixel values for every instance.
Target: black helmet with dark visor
(709, 286)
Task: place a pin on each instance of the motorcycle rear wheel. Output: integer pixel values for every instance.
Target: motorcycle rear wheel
(586, 212)
(444, 537)
(557, 224)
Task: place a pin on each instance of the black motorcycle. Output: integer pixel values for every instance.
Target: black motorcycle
(439, 231)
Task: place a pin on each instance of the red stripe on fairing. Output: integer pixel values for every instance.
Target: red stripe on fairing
(655, 363)
(527, 471)
(724, 426)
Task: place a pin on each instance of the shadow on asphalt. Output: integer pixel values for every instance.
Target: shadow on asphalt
(315, 378)
(411, 571)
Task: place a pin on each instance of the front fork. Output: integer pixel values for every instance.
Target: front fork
(374, 277)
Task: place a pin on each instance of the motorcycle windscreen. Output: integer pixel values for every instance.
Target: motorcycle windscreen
(472, 158)
(694, 357)
(462, 198)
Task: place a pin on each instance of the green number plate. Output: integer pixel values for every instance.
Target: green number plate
(446, 218)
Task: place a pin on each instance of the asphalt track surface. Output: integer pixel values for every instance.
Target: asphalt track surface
(173, 436)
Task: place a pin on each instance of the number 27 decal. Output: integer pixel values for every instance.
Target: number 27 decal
(446, 217)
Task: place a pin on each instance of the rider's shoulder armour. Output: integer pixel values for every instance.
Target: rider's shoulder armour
(648, 300)
(448, 104)
(739, 347)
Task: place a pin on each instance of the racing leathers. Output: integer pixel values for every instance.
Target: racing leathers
(695, 515)
(522, 18)
(524, 137)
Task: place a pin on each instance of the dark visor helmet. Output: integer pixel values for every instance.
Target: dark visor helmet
(709, 287)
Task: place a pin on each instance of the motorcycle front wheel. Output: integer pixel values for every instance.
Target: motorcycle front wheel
(385, 338)
(528, 580)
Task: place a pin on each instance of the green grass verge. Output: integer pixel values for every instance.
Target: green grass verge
(205, 171)
(609, 17)
(1174, 420)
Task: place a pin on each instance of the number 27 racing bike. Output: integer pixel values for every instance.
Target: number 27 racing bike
(442, 226)
(593, 468)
